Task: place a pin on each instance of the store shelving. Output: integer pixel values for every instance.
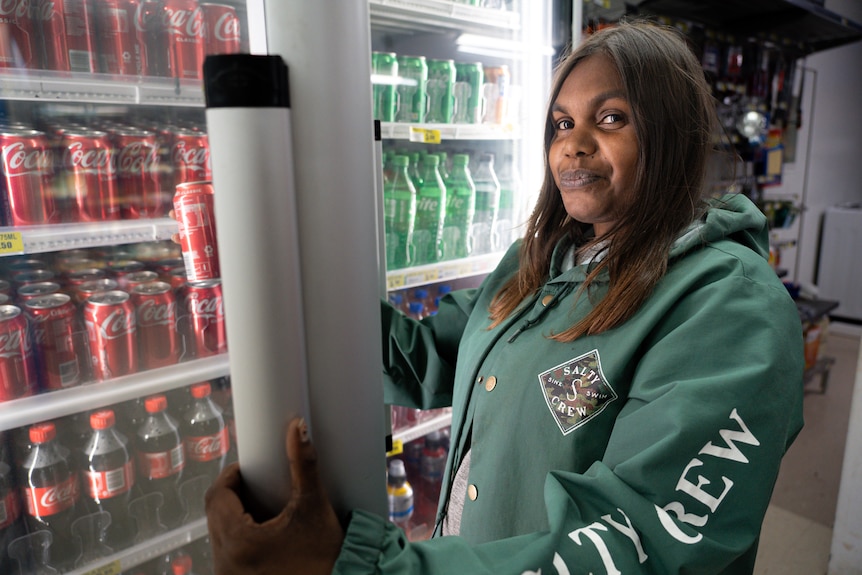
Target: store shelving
(51, 238)
(441, 16)
(442, 271)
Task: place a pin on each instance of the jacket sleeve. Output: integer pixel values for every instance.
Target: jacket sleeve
(689, 468)
(419, 356)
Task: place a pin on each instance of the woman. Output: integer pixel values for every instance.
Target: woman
(623, 385)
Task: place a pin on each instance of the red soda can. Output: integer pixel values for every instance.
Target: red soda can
(166, 266)
(5, 288)
(193, 205)
(112, 332)
(53, 330)
(18, 375)
(156, 306)
(136, 279)
(186, 34)
(27, 164)
(92, 287)
(27, 265)
(178, 278)
(5, 299)
(206, 334)
(138, 174)
(223, 34)
(24, 278)
(190, 156)
(150, 35)
(91, 174)
(69, 31)
(76, 278)
(119, 51)
(18, 35)
(35, 290)
(120, 270)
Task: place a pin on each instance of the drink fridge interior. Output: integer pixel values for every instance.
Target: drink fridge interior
(115, 395)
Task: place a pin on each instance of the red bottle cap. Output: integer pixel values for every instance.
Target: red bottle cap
(201, 390)
(42, 432)
(156, 404)
(102, 419)
(181, 565)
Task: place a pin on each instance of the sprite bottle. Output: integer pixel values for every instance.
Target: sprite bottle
(399, 209)
(460, 207)
(485, 234)
(510, 196)
(430, 214)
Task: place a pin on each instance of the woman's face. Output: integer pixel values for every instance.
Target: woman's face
(594, 151)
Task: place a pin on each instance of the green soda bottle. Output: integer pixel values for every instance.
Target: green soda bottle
(510, 197)
(415, 174)
(399, 209)
(485, 235)
(460, 207)
(430, 214)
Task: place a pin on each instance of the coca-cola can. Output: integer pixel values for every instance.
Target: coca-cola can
(69, 31)
(156, 306)
(18, 35)
(76, 278)
(193, 206)
(83, 292)
(223, 34)
(111, 325)
(27, 165)
(27, 265)
(5, 287)
(120, 270)
(21, 279)
(164, 267)
(190, 156)
(118, 46)
(136, 279)
(17, 370)
(138, 174)
(5, 298)
(150, 34)
(203, 307)
(35, 290)
(186, 35)
(91, 174)
(53, 329)
(178, 278)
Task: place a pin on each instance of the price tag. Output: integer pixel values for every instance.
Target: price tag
(11, 243)
(397, 448)
(425, 135)
(112, 568)
(395, 281)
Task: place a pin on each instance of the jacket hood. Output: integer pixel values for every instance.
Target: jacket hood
(734, 217)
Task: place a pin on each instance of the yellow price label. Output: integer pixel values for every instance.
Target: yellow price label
(397, 448)
(11, 243)
(395, 281)
(112, 568)
(425, 135)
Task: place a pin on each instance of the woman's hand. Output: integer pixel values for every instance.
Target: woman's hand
(304, 538)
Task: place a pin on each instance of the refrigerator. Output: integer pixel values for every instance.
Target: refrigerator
(111, 72)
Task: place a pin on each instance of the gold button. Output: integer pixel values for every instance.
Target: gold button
(491, 383)
(472, 492)
(547, 299)
(480, 379)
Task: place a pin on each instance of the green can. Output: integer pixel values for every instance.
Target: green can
(385, 100)
(413, 71)
(441, 91)
(469, 78)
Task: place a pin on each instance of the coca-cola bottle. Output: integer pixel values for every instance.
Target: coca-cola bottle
(205, 434)
(161, 458)
(50, 493)
(10, 512)
(108, 475)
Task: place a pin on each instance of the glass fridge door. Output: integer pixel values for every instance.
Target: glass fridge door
(115, 400)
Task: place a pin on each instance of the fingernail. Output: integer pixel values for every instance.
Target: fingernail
(303, 431)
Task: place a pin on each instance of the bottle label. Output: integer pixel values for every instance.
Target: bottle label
(161, 464)
(208, 447)
(44, 501)
(107, 484)
(9, 510)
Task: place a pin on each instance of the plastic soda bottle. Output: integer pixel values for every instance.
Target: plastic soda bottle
(51, 492)
(109, 474)
(460, 209)
(399, 209)
(485, 234)
(412, 93)
(161, 458)
(510, 194)
(10, 512)
(205, 435)
(413, 169)
(430, 214)
(440, 89)
(400, 494)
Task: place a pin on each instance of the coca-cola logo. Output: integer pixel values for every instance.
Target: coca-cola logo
(16, 8)
(206, 307)
(19, 160)
(117, 324)
(151, 313)
(43, 10)
(185, 23)
(90, 160)
(138, 157)
(226, 27)
(58, 495)
(14, 344)
(141, 17)
(193, 158)
(205, 448)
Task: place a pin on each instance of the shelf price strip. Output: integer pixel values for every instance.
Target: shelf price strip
(11, 243)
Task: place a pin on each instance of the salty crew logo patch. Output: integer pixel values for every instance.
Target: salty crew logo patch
(576, 391)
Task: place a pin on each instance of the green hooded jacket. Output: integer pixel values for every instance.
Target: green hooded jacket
(650, 448)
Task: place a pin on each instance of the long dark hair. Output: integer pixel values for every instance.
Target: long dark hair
(675, 122)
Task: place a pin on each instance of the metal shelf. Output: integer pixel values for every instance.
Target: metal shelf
(442, 271)
(424, 428)
(442, 16)
(436, 133)
(54, 404)
(50, 238)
